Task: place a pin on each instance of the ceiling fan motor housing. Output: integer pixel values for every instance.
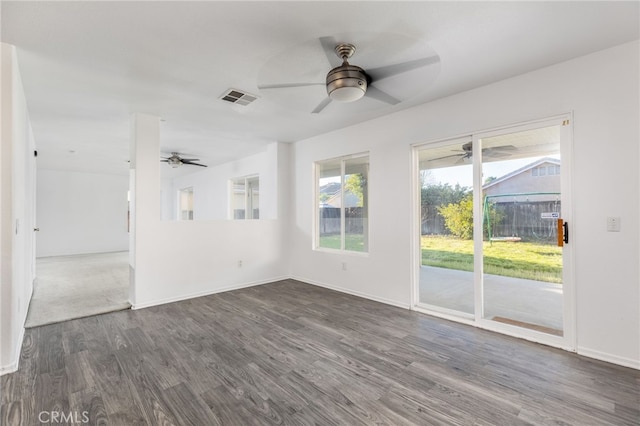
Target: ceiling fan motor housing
(346, 83)
(174, 161)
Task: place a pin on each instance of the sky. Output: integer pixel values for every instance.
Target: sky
(463, 174)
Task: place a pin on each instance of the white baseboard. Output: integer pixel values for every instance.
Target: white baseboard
(353, 293)
(205, 293)
(13, 366)
(9, 368)
(613, 359)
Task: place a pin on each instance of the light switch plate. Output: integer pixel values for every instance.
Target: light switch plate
(613, 224)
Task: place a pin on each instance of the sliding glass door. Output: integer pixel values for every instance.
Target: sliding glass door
(446, 227)
(521, 205)
(492, 231)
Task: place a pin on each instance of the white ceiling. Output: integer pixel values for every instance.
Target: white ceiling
(86, 66)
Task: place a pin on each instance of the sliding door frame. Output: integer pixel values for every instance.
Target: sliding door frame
(568, 340)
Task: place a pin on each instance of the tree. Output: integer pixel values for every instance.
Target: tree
(440, 194)
(458, 217)
(426, 177)
(355, 184)
(435, 196)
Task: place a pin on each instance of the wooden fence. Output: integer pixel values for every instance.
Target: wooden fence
(330, 220)
(515, 219)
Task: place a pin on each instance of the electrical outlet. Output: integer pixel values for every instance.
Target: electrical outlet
(613, 224)
(239, 263)
(344, 266)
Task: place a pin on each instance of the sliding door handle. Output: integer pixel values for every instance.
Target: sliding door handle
(563, 232)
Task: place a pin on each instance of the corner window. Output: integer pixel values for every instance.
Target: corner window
(342, 204)
(245, 198)
(185, 204)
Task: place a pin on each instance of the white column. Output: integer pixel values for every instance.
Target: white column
(144, 197)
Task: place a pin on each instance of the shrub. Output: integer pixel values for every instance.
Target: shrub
(458, 217)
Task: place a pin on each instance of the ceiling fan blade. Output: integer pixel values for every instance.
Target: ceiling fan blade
(375, 93)
(329, 45)
(446, 156)
(464, 159)
(164, 161)
(189, 163)
(285, 85)
(505, 148)
(189, 159)
(391, 70)
(499, 151)
(326, 101)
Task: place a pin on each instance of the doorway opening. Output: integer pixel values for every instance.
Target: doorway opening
(77, 286)
(82, 243)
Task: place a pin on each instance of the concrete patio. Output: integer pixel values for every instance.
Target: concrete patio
(525, 301)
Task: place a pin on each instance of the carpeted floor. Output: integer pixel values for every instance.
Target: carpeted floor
(70, 287)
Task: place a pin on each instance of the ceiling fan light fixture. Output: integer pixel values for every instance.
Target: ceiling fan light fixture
(346, 93)
(346, 83)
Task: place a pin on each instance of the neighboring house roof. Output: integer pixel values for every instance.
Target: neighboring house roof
(530, 166)
(333, 190)
(350, 200)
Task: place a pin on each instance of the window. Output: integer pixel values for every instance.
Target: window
(185, 204)
(245, 198)
(342, 203)
(550, 170)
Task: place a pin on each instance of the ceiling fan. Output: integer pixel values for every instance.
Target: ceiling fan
(348, 83)
(467, 152)
(176, 161)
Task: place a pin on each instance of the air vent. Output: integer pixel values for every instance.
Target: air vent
(237, 97)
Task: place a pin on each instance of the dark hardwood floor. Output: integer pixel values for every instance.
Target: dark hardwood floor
(292, 353)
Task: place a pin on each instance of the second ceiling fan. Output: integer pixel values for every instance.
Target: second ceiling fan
(176, 160)
(348, 83)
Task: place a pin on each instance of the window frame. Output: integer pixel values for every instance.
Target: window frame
(317, 165)
(248, 201)
(185, 190)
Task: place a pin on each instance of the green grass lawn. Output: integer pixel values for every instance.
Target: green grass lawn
(352, 242)
(541, 262)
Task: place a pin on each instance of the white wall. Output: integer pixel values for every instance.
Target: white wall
(17, 198)
(602, 91)
(80, 213)
(211, 187)
(178, 260)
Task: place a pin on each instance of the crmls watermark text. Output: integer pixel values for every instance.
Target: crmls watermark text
(71, 417)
